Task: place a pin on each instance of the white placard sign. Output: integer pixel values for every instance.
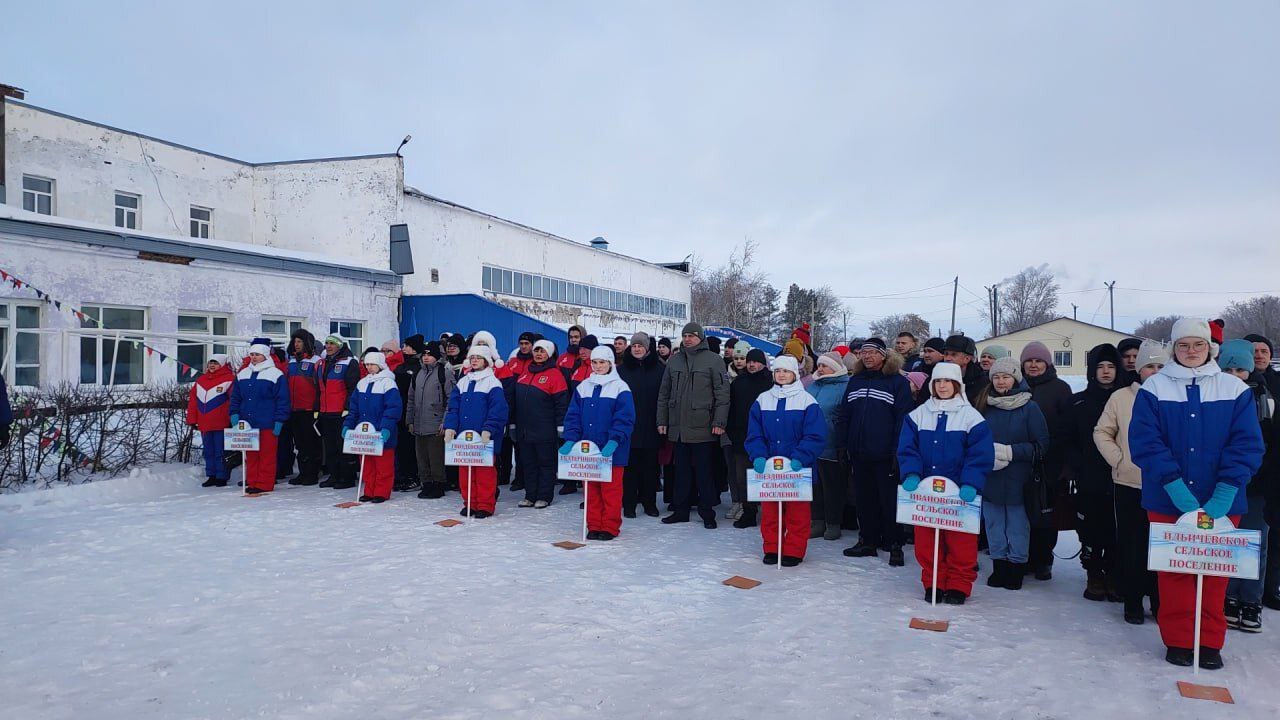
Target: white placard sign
(241, 438)
(936, 503)
(585, 464)
(779, 483)
(363, 439)
(1200, 545)
(468, 449)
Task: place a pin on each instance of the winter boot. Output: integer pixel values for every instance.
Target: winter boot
(895, 556)
(709, 523)
(481, 514)
(525, 504)
(629, 512)
(833, 532)
(1251, 618)
(928, 595)
(817, 528)
(1096, 586)
(208, 482)
(651, 510)
(255, 491)
(953, 597)
(569, 488)
(375, 500)
(1133, 612)
(541, 505)
(770, 559)
(999, 573)
(675, 517)
(1231, 608)
(1113, 589)
(789, 561)
(1044, 572)
(748, 518)
(1271, 601)
(328, 482)
(1014, 572)
(219, 483)
(735, 510)
(517, 484)
(1210, 659)
(861, 549)
(366, 498)
(431, 491)
(1182, 657)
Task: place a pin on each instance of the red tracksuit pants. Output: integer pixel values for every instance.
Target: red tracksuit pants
(959, 553)
(484, 487)
(604, 504)
(795, 527)
(260, 464)
(379, 473)
(1177, 617)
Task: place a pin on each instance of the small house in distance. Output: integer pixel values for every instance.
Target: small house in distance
(1069, 341)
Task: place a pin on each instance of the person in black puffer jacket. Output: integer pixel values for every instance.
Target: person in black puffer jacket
(1053, 396)
(642, 372)
(406, 455)
(754, 380)
(1092, 489)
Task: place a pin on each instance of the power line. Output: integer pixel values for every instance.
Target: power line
(1203, 292)
(899, 294)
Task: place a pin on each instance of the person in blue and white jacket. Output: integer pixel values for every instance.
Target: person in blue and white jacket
(785, 420)
(1196, 437)
(602, 411)
(377, 401)
(479, 403)
(260, 397)
(946, 436)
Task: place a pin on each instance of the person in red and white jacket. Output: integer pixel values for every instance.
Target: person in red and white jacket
(304, 393)
(538, 401)
(208, 411)
(337, 373)
(377, 401)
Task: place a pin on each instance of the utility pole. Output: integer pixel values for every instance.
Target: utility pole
(995, 309)
(991, 306)
(844, 327)
(1074, 311)
(955, 289)
(1111, 293)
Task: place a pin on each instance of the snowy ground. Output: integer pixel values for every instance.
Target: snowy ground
(149, 597)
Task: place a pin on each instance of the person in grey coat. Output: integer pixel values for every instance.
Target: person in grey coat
(428, 399)
(693, 410)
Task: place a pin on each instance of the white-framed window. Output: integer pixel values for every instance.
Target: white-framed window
(19, 350)
(201, 222)
(352, 331)
(195, 351)
(101, 354)
(280, 328)
(1062, 358)
(37, 194)
(127, 206)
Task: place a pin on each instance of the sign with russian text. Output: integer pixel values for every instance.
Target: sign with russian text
(363, 439)
(241, 438)
(585, 464)
(936, 503)
(1201, 545)
(468, 449)
(779, 483)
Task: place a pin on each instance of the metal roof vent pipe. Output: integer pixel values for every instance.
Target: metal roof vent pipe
(600, 243)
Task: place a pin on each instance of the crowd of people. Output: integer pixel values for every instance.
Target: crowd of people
(1157, 432)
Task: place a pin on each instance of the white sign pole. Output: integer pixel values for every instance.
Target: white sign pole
(586, 508)
(779, 534)
(470, 497)
(360, 482)
(244, 472)
(1195, 660)
(933, 592)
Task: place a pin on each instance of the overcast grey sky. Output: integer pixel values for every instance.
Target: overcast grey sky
(873, 146)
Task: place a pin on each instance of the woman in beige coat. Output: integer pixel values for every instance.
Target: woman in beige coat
(1112, 438)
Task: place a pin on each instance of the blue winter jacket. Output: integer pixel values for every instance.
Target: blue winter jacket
(829, 392)
(1025, 431)
(478, 403)
(377, 401)
(787, 422)
(947, 438)
(868, 419)
(601, 412)
(1198, 424)
(260, 395)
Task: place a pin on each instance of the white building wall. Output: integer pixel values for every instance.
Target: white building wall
(92, 275)
(459, 242)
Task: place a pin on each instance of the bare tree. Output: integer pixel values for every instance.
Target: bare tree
(1027, 299)
(819, 307)
(888, 327)
(736, 294)
(1157, 328)
(1260, 315)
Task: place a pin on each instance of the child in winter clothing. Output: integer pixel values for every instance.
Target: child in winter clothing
(479, 403)
(377, 401)
(1092, 488)
(754, 380)
(830, 379)
(208, 410)
(602, 411)
(428, 401)
(785, 420)
(260, 396)
(946, 436)
(539, 399)
(1021, 437)
(1196, 438)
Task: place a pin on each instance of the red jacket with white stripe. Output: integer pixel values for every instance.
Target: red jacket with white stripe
(210, 400)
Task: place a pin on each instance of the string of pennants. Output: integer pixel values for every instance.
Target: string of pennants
(18, 283)
(51, 437)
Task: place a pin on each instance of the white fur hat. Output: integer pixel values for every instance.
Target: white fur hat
(948, 371)
(786, 362)
(219, 358)
(375, 358)
(483, 351)
(547, 345)
(602, 352)
(1191, 327)
(260, 349)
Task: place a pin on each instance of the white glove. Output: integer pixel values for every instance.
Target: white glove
(1000, 464)
(449, 435)
(1004, 452)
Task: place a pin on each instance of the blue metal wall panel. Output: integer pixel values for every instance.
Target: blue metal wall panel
(431, 315)
(755, 342)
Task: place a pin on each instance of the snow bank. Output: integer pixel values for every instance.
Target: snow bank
(150, 597)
